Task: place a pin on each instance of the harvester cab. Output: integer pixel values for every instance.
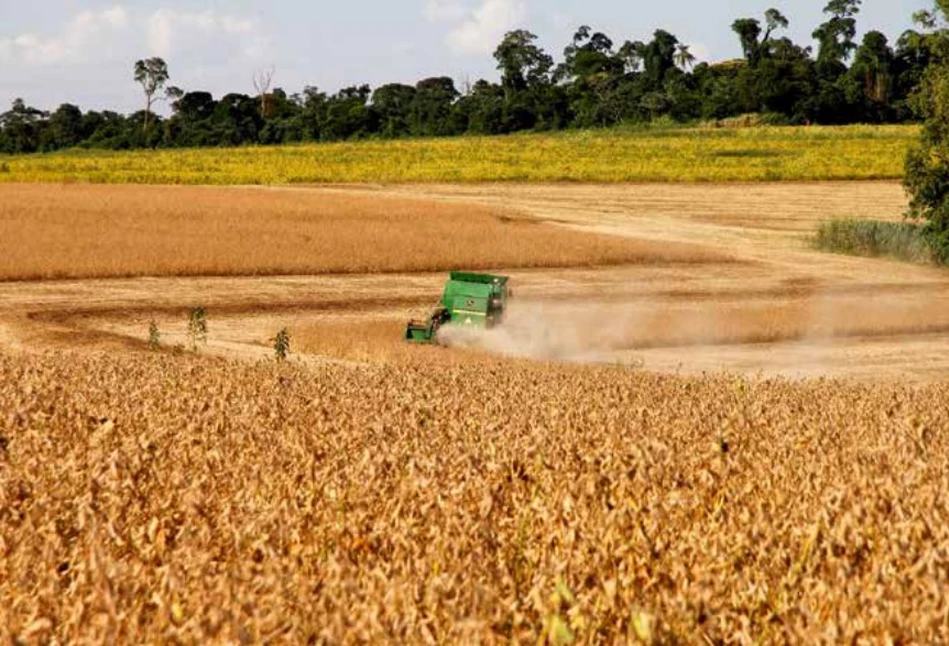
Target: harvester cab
(469, 299)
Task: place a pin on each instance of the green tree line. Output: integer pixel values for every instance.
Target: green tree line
(597, 82)
(927, 165)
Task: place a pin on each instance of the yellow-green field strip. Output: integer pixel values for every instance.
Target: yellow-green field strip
(650, 155)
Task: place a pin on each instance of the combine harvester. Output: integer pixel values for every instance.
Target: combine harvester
(469, 299)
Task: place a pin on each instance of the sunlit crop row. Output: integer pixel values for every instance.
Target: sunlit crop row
(179, 499)
(689, 155)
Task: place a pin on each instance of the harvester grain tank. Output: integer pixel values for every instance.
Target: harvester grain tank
(469, 299)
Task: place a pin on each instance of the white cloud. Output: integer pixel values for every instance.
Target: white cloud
(117, 16)
(95, 36)
(167, 29)
(444, 10)
(481, 30)
(159, 33)
(76, 42)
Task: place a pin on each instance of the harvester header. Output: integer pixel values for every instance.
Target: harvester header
(469, 299)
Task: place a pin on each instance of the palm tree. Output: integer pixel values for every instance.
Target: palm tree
(683, 57)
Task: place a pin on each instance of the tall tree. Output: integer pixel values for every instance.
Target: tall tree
(151, 74)
(749, 30)
(392, 104)
(65, 126)
(192, 123)
(525, 78)
(927, 166)
(912, 57)
(631, 55)
(106, 129)
(659, 57)
(236, 120)
(347, 114)
(263, 80)
(21, 128)
(313, 111)
(521, 62)
(835, 36)
(753, 45)
(482, 109)
(872, 68)
(774, 20)
(431, 106)
(684, 58)
(590, 54)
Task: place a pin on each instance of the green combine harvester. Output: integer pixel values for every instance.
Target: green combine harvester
(469, 299)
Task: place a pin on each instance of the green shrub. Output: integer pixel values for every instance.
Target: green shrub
(154, 336)
(281, 345)
(900, 240)
(197, 327)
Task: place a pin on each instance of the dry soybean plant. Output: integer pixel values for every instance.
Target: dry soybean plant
(535, 504)
(49, 232)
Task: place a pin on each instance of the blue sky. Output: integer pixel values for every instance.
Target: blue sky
(53, 51)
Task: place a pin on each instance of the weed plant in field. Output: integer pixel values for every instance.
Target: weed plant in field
(197, 327)
(154, 336)
(281, 345)
(615, 155)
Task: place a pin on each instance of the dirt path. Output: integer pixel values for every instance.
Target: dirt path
(782, 309)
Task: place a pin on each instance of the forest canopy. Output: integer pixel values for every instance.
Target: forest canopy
(596, 82)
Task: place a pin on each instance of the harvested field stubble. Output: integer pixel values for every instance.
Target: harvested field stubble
(161, 498)
(108, 231)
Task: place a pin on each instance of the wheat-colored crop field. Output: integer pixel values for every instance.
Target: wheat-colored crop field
(615, 155)
(151, 499)
(71, 231)
(692, 428)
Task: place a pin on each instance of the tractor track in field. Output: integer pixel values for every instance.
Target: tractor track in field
(118, 313)
(771, 305)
